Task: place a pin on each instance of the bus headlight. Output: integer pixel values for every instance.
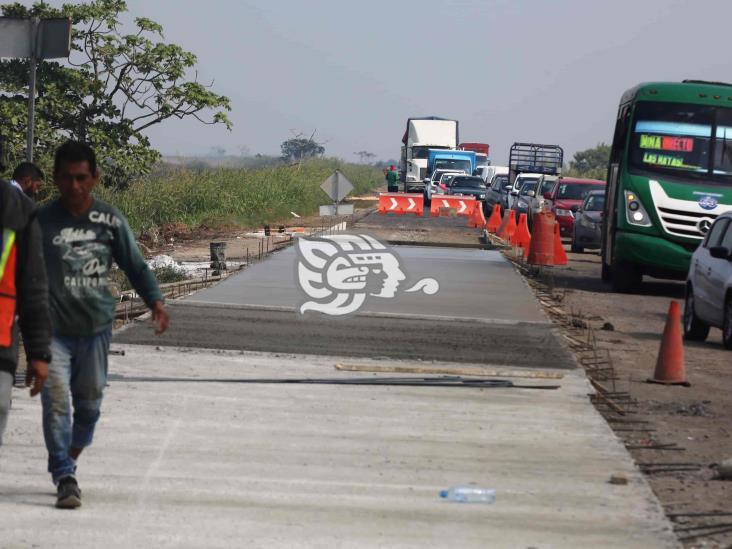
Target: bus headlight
(635, 213)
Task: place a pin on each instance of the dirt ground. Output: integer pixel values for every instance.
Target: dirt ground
(193, 244)
(697, 419)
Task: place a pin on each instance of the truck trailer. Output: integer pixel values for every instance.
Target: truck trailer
(421, 135)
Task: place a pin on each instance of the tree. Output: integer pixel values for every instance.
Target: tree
(591, 163)
(365, 157)
(112, 89)
(298, 148)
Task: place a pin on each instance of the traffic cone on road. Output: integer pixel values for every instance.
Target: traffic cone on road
(541, 247)
(494, 222)
(477, 219)
(560, 255)
(522, 237)
(510, 226)
(670, 369)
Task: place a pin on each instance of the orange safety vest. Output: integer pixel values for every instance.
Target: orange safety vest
(7, 288)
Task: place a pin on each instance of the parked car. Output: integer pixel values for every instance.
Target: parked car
(587, 226)
(497, 192)
(526, 194)
(432, 185)
(468, 185)
(709, 284)
(566, 198)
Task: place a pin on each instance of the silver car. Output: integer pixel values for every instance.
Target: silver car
(587, 226)
(709, 285)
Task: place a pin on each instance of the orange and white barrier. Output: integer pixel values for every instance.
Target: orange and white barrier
(401, 203)
(463, 205)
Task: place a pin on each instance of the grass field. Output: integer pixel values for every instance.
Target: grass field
(245, 197)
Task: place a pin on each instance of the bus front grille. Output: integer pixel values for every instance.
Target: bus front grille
(684, 223)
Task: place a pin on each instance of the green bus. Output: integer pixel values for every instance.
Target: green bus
(669, 177)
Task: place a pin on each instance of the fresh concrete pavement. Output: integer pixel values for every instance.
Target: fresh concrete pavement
(219, 462)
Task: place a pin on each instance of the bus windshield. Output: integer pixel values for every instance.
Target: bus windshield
(677, 138)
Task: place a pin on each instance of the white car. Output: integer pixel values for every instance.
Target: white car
(518, 183)
(709, 284)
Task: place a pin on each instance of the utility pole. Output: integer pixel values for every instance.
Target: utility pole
(32, 64)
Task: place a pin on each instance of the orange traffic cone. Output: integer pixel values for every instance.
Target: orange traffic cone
(503, 224)
(522, 237)
(477, 219)
(510, 227)
(541, 247)
(560, 256)
(494, 222)
(670, 368)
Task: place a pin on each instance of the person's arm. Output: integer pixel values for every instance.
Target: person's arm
(32, 299)
(130, 260)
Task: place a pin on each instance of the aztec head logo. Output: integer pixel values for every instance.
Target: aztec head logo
(338, 273)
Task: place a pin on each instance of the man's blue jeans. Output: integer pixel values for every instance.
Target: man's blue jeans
(77, 375)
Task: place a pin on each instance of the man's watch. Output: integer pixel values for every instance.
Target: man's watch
(45, 357)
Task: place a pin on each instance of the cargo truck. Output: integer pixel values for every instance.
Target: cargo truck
(529, 161)
(421, 135)
(440, 159)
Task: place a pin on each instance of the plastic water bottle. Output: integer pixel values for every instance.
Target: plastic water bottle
(469, 494)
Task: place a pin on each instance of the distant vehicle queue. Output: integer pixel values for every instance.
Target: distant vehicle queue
(667, 199)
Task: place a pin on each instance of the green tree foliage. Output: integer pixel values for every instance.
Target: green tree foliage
(113, 87)
(591, 163)
(299, 148)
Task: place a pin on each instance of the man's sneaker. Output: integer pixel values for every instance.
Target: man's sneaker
(68, 494)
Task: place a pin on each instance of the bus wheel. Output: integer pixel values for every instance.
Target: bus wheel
(605, 273)
(695, 329)
(626, 277)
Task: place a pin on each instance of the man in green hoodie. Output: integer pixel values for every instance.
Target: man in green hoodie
(82, 236)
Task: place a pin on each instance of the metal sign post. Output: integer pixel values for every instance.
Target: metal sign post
(34, 39)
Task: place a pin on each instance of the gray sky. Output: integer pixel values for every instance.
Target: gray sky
(508, 70)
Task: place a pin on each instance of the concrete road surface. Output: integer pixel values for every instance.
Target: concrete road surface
(207, 464)
(483, 312)
(205, 459)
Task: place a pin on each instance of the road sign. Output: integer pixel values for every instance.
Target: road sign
(337, 186)
(336, 209)
(42, 39)
(34, 39)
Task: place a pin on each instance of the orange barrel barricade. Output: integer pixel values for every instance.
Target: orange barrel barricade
(541, 247)
(477, 220)
(560, 256)
(509, 227)
(463, 205)
(401, 203)
(522, 237)
(494, 222)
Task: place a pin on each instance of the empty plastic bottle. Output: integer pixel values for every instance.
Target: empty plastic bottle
(469, 494)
